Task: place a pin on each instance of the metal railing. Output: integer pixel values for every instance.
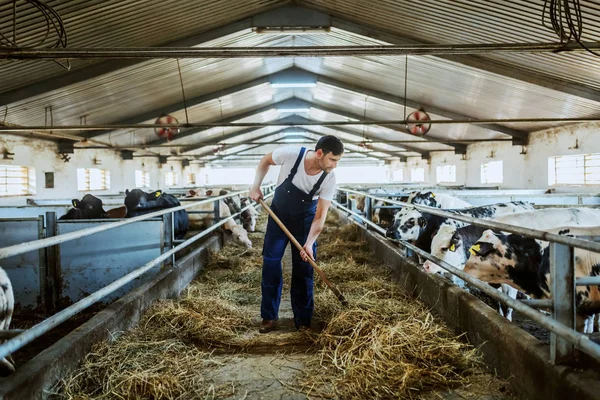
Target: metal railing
(21, 338)
(564, 338)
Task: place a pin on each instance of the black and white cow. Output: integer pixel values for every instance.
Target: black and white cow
(524, 264)
(248, 216)
(452, 245)
(139, 203)
(89, 207)
(438, 200)
(420, 227)
(7, 305)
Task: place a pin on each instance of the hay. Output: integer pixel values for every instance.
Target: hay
(384, 345)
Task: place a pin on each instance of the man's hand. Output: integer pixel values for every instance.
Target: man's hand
(255, 194)
(308, 252)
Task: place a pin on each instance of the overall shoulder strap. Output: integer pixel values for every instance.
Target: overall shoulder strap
(296, 164)
(317, 185)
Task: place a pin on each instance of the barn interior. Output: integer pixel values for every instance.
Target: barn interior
(483, 102)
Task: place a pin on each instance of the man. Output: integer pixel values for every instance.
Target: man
(306, 186)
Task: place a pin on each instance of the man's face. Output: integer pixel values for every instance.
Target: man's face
(328, 161)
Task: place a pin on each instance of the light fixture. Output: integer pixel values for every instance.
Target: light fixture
(291, 30)
(294, 85)
(293, 110)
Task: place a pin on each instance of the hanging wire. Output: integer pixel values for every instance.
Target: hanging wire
(54, 23)
(561, 12)
(187, 121)
(405, 83)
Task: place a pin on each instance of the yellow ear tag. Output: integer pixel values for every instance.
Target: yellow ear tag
(453, 247)
(74, 204)
(474, 249)
(158, 193)
(432, 194)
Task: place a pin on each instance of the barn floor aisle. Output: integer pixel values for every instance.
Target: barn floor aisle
(206, 344)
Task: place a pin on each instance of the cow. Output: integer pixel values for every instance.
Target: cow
(233, 202)
(90, 207)
(449, 238)
(139, 202)
(383, 216)
(452, 245)
(420, 227)
(248, 216)
(524, 264)
(206, 219)
(439, 200)
(7, 305)
(118, 212)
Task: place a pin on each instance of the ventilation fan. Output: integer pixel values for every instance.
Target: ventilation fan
(416, 123)
(166, 132)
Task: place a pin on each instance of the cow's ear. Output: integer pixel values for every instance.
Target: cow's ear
(481, 249)
(430, 195)
(422, 222)
(229, 232)
(191, 193)
(76, 203)
(454, 243)
(223, 192)
(126, 192)
(158, 193)
(209, 192)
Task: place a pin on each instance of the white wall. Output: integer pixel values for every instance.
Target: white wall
(42, 155)
(528, 170)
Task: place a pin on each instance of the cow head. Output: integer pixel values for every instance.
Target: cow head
(491, 257)
(423, 198)
(447, 246)
(408, 225)
(89, 207)
(239, 235)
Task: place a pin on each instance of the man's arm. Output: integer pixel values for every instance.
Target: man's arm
(262, 169)
(315, 228)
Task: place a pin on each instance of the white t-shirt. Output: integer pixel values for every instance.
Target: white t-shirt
(286, 157)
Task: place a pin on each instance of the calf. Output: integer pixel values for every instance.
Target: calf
(524, 264)
(90, 207)
(139, 202)
(439, 200)
(203, 221)
(7, 305)
(419, 227)
(452, 245)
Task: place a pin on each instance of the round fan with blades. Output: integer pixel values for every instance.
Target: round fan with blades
(416, 123)
(167, 132)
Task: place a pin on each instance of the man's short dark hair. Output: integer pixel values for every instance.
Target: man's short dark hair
(331, 144)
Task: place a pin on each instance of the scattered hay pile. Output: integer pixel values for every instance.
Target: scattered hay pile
(383, 345)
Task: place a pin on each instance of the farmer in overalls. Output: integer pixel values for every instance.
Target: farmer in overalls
(306, 186)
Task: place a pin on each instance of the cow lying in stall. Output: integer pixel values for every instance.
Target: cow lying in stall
(139, 203)
(206, 219)
(89, 207)
(7, 305)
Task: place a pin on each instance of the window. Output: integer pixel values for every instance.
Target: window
(171, 178)
(491, 172)
(142, 179)
(417, 175)
(398, 175)
(190, 179)
(579, 169)
(92, 179)
(16, 180)
(445, 173)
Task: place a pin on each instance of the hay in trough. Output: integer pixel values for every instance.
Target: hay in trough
(383, 345)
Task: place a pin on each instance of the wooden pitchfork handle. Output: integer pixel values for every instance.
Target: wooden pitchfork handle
(312, 262)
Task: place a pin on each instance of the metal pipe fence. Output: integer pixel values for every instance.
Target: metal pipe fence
(20, 338)
(564, 338)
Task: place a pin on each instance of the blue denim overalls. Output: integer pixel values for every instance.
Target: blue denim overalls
(296, 210)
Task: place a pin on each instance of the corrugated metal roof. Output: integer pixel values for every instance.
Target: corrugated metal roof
(478, 21)
(118, 23)
(434, 82)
